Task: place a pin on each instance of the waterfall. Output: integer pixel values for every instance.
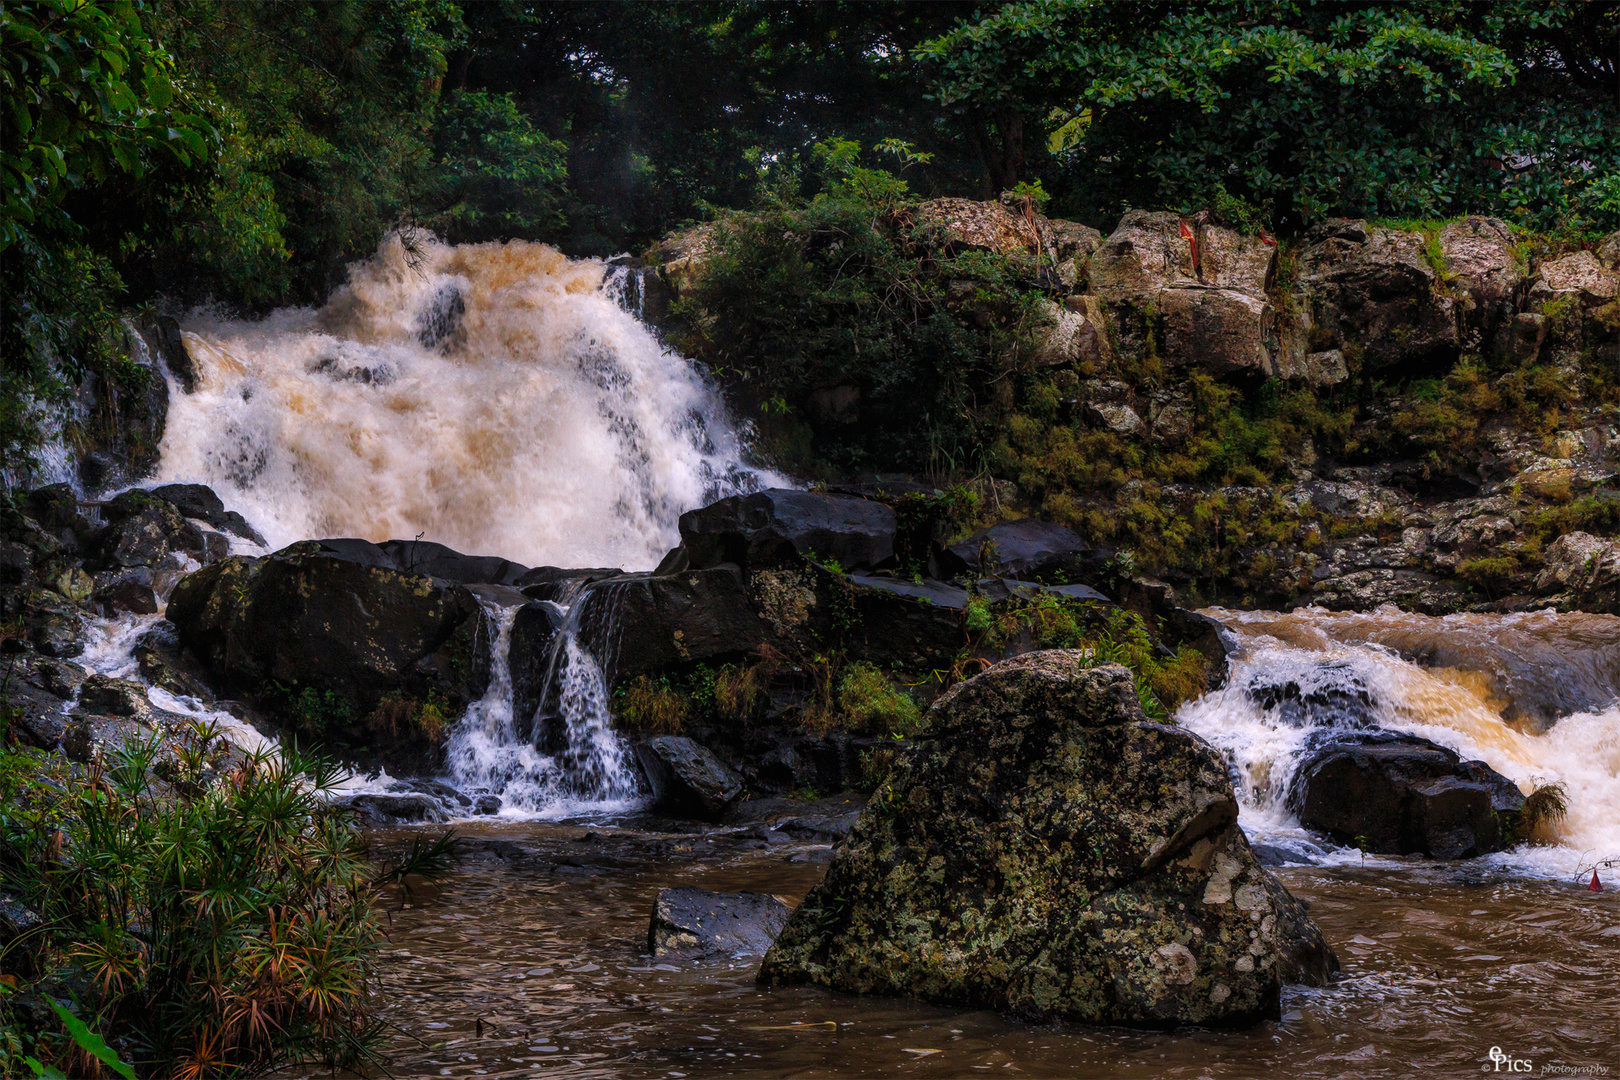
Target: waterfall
(1481, 689)
(492, 749)
(497, 398)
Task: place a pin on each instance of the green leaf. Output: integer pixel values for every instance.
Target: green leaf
(92, 1044)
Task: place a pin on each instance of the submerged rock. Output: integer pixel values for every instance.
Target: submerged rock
(687, 778)
(690, 921)
(1396, 794)
(1045, 850)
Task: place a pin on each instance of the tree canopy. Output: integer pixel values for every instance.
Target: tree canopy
(246, 151)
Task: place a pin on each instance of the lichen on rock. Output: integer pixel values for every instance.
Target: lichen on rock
(1045, 850)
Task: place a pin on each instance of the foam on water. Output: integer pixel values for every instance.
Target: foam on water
(492, 397)
(1334, 658)
(493, 749)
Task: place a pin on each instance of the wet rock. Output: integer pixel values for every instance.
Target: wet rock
(330, 616)
(171, 346)
(688, 779)
(1398, 794)
(556, 583)
(643, 623)
(200, 503)
(487, 804)
(90, 738)
(392, 808)
(143, 529)
(1585, 569)
(107, 696)
(529, 655)
(17, 919)
(1027, 549)
(1045, 850)
(38, 692)
(56, 632)
(1332, 696)
(438, 561)
(778, 527)
(689, 921)
(126, 590)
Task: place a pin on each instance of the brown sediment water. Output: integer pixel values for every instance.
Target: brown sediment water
(1442, 963)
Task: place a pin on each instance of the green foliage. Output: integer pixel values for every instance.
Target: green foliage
(501, 177)
(650, 706)
(214, 910)
(1387, 110)
(87, 96)
(1107, 635)
(874, 706)
(853, 317)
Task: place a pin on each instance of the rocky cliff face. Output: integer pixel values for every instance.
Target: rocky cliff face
(1359, 415)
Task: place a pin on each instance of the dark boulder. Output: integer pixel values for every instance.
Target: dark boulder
(1028, 549)
(562, 585)
(200, 503)
(394, 807)
(532, 654)
(142, 530)
(38, 692)
(129, 589)
(1397, 794)
(695, 922)
(639, 624)
(329, 616)
(1045, 850)
(1332, 695)
(688, 779)
(436, 560)
(778, 527)
(896, 621)
(171, 346)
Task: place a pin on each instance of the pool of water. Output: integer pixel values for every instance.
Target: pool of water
(530, 958)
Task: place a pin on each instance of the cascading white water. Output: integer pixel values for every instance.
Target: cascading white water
(1350, 670)
(492, 749)
(493, 397)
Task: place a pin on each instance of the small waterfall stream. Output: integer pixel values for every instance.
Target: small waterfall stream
(493, 749)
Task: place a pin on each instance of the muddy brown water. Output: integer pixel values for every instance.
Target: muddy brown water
(529, 959)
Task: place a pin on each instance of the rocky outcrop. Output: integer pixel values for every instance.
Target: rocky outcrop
(1582, 570)
(689, 922)
(778, 527)
(1398, 794)
(643, 623)
(1028, 549)
(687, 779)
(1046, 851)
(1203, 287)
(335, 619)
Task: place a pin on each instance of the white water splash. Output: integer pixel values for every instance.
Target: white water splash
(1460, 707)
(491, 750)
(492, 397)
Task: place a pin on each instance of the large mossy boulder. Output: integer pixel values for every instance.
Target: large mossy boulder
(1044, 850)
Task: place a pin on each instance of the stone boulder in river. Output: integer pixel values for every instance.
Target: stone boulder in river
(687, 779)
(1045, 850)
(690, 921)
(1397, 794)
